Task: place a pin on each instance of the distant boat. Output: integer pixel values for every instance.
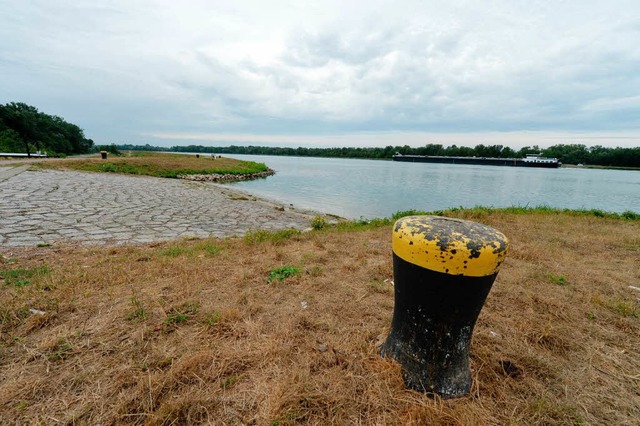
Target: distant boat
(531, 160)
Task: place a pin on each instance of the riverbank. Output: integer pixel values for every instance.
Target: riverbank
(162, 165)
(214, 330)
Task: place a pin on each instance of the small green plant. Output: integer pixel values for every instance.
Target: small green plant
(213, 318)
(44, 245)
(211, 248)
(138, 313)
(60, 350)
(282, 273)
(172, 251)
(560, 280)
(176, 318)
(229, 381)
(318, 223)
(181, 314)
(23, 277)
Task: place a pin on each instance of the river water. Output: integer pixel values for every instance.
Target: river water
(374, 188)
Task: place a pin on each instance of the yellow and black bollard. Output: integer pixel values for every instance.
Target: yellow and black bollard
(443, 270)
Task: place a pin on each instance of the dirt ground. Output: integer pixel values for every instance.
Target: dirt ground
(211, 331)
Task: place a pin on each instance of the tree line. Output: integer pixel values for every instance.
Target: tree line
(567, 154)
(24, 129)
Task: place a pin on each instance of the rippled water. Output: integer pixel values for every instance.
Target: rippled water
(372, 188)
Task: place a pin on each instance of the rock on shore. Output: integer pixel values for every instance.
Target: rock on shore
(221, 178)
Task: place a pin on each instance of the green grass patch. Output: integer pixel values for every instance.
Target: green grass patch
(60, 350)
(213, 318)
(187, 249)
(138, 313)
(623, 307)
(560, 280)
(23, 277)
(479, 212)
(282, 273)
(229, 381)
(180, 314)
(162, 165)
(559, 412)
(260, 236)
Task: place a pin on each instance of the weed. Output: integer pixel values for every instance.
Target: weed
(623, 307)
(213, 318)
(175, 318)
(138, 314)
(172, 251)
(180, 314)
(60, 350)
(211, 248)
(560, 280)
(44, 245)
(282, 273)
(229, 381)
(318, 223)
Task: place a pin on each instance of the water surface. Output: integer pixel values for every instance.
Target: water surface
(373, 188)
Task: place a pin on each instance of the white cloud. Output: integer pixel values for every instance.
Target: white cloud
(127, 70)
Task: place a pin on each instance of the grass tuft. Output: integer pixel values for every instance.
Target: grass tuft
(282, 273)
(23, 277)
(560, 280)
(276, 237)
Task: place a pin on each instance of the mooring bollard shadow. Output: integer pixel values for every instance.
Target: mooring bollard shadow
(443, 271)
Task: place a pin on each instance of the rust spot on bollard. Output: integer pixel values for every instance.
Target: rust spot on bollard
(443, 271)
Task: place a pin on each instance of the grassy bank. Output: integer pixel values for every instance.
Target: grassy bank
(159, 165)
(283, 328)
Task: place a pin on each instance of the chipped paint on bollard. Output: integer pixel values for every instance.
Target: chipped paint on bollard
(443, 271)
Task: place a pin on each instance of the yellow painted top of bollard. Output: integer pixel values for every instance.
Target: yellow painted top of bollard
(448, 245)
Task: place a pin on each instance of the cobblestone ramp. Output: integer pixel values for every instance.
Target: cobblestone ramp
(51, 206)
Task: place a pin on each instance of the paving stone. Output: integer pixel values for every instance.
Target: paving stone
(105, 208)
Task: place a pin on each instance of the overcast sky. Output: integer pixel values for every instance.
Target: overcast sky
(330, 73)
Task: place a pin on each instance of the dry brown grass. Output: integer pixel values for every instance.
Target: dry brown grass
(191, 332)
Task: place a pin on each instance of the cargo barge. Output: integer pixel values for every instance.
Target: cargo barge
(531, 160)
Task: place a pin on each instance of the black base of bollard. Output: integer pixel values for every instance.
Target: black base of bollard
(432, 325)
